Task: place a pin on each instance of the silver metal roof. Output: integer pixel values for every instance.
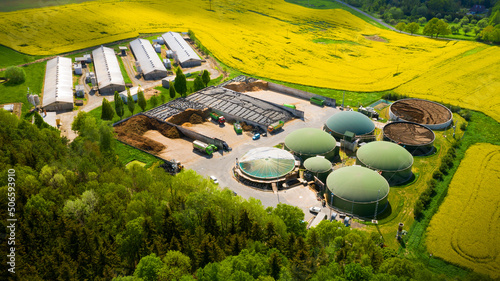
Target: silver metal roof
(107, 68)
(181, 48)
(58, 85)
(146, 55)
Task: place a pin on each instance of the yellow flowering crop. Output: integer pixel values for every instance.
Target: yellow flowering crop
(278, 40)
(465, 229)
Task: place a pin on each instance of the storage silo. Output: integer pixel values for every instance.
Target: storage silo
(310, 142)
(349, 121)
(319, 167)
(392, 160)
(357, 190)
(431, 114)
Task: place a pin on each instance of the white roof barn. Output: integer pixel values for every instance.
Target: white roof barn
(151, 65)
(183, 53)
(58, 86)
(107, 69)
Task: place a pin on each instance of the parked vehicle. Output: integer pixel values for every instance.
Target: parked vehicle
(204, 147)
(315, 210)
(256, 136)
(317, 101)
(214, 179)
(217, 118)
(292, 106)
(237, 128)
(275, 126)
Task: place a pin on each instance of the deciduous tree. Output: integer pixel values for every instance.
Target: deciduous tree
(15, 75)
(413, 27)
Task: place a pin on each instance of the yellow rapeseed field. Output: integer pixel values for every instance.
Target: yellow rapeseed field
(465, 229)
(277, 40)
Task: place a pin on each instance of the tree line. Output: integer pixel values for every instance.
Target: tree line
(83, 215)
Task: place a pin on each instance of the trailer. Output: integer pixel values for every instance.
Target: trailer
(218, 118)
(317, 101)
(237, 128)
(275, 126)
(204, 147)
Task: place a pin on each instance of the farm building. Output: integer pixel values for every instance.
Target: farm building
(389, 158)
(107, 69)
(133, 93)
(319, 167)
(151, 66)
(266, 164)
(424, 112)
(58, 86)
(349, 121)
(415, 138)
(80, 91)
(357, 190)
(78, 68)
(310, 142)
(183, 53)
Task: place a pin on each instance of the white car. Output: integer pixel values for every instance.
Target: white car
(315, 210)
(214, 179)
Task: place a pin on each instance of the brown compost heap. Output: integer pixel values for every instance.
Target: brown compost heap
(408, 133)
(132, 130)
(420, 111)
(247, 87)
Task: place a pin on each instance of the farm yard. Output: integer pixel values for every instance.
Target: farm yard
(400, 64)
(465, 229)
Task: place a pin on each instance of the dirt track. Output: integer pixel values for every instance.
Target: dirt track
(409, 134)
(421, 111)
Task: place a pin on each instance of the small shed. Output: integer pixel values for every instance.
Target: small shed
(78, 68)
(157, 48)
(165, 83)
(88, 58)
(133, 93)
(80, 91)
(123, 50)
(9, 107)
(160, 40)
(170, 54)
(167, 63)
(90, 78)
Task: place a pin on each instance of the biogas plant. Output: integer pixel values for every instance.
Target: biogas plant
(267, 138)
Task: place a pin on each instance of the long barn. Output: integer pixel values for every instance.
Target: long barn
(58, 85)
(107, 69)
(150, 64)
(183, 53)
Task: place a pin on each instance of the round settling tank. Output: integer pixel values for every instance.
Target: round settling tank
(267, 163)
(357, 190)
(431, 114)
(392, 160)
(352, 121)
(415, 138)
(310, 142)
(319, 167)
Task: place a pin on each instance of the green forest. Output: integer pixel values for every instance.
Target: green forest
(82, 215)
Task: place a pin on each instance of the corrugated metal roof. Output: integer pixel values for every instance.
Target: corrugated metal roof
(107, 68)
(181, 48)
(58, 85)
(147, 57)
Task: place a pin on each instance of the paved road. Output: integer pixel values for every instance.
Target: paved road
(221, 167)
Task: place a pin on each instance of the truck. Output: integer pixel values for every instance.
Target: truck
(292, 106)
(317, 101)
(275, 126)
(237, 128)
(218, 118)
(204, 147)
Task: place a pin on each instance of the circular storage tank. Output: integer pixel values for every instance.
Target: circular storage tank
(424, 112)
(352, 121)
(319, 167)
(356, 190)
(310, 142)
(267, 163)
(392, 160)
(416, 138)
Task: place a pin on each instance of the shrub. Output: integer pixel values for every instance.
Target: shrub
(15, 75)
